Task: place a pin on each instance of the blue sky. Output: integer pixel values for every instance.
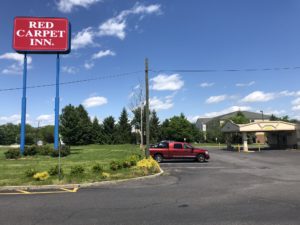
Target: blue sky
(112, 37)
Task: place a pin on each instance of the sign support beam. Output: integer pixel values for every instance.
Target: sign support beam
(23, 113)
(56, 127)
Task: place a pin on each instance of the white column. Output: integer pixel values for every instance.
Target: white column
(245, 141)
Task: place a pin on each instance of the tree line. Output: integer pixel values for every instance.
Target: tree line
(77, 128)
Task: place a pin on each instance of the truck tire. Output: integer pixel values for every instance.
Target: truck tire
(158, 158)
(200, 158)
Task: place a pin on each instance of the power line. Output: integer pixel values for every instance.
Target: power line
(224, 70)
(74, 81)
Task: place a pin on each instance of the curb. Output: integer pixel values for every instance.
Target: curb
(84, 185)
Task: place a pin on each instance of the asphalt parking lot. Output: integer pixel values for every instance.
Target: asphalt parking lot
(233, 188)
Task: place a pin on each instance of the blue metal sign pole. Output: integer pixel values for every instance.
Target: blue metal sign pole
(56, 128)
(23, 114)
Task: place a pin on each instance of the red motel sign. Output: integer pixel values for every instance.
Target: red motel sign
(41, 35)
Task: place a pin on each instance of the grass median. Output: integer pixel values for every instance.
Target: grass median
(12, 172)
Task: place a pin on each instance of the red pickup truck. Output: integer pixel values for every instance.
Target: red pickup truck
(177, 150)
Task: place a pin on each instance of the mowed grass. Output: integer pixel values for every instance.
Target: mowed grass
(12, 172)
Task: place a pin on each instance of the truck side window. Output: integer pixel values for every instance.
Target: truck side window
(163, 145)
(177, 146)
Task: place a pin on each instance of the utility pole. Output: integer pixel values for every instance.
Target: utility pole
(147, 153)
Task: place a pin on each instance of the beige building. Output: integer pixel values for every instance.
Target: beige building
(279, 134)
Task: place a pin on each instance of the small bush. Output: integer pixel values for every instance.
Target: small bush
(41, 176)
(30, 150)
(30, 172)
(97, 168)
(54, 170)
(44, 150)
(148, 164)
(63, 152)
(77, 170)
(126, 164)
(105, 175)
(13, 153)
(133, 159)
(116, 165)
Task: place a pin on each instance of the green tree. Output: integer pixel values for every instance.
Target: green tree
(85, 126)
(123, 128)
(240, 118)
(97, 132)
(69, 125)
(155, 131)
(178, 128)
(109, 130)
(46, 133)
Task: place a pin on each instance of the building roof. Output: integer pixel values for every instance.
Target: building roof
(249, 115)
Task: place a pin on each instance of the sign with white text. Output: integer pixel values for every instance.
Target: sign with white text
(41, 35)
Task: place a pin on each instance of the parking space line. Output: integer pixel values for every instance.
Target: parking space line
(22, 192)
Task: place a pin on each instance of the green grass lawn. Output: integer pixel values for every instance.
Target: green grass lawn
(12, 171)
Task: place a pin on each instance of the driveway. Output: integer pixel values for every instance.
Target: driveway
(233, 188)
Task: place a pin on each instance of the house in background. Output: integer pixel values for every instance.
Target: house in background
(206, 124)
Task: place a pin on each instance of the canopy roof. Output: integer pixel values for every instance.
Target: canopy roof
(260, 126)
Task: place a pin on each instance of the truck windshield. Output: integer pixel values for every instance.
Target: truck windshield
(188, 146)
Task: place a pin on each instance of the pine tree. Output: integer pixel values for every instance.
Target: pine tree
(109, 130)
(85, 126)
(69, 126)
(155, 131)
(97, 132)
(124, 128)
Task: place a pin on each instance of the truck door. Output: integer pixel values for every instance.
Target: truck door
(178, 150)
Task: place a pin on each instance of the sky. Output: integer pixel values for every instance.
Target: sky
(206, 58)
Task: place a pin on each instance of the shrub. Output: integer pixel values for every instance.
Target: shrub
(105, 175)
(148, 164)
(126, 164)
(116, 165)
(41, 176)
(13, 153)
(77, 170)
(54, 170)
(133, 159)
(30, 172)
(97, 168)
(44, 150)
(65, 151)
(30, 150)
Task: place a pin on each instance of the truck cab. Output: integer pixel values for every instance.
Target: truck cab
(177, 150)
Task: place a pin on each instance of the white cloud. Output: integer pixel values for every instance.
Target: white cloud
(83, 38)
(16, 57)
(274, 112)
(205, 84)
(94, 101)
(116, 26)
(69, 69)
(45, 119)
(15, 119)
(245, 84)
(296, 108)
(102, 53)
(164, 82)
(89, 65)
(227, 110)
(259, 96)
(15, 68)
(296, 101)
(66, 6)
(160, 104)
(216, 99)
(113, 27)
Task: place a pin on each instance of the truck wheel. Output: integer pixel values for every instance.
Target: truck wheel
(158, 158)
(200, 158)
